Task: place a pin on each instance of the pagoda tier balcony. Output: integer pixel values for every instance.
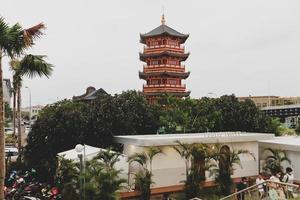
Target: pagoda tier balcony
(161, 48)
(165, 67)
(161, 88)
(181, 56)
(181, 75)
(154, 95)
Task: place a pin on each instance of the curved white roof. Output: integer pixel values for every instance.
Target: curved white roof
(291, 143)
(210, 137)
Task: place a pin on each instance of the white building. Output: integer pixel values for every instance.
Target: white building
(169, 167)
(34, 111)
(290, 144)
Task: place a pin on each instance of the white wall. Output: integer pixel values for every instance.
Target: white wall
(169, 168)
(294, 156)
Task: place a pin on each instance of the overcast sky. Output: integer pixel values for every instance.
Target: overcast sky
(237, 46)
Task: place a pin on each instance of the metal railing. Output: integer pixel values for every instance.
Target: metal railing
(266, 183)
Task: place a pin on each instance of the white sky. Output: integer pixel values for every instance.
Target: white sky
(237, 46)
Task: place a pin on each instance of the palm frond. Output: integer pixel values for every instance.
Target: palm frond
(153, 151)
(140, 158)
(30, 34)
(35, 65)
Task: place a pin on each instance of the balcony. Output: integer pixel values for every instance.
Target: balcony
(160, 48)
(164, 88)
(165, 67)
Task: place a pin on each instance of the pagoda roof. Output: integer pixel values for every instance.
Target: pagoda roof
(163, 30)
(183, 75)
(184, 56)
(90, 94)
(178, 94)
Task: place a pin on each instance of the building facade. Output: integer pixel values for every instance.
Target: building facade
(163, 55)
(264, 101)
(169, 168)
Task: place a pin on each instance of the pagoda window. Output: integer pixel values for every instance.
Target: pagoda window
(165, 61)
(173, 82)
(173, 43)
(173, 62)
(155, 62)
(164, 42)
(154, 43)
(155, 81)
(164, 81)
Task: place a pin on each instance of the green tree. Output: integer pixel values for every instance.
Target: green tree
(58, 128)
(14, 40)
(198, 159)
(143, 177)
(201, 161)
(227, 160)
(62, 125)
(203, 115)
(273, 162)
(29, 66)
(183, 149)
(67, 176)
(8, 113)
(134, 115)
(102, 179)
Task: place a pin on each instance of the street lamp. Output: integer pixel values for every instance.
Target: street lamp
(30, 108)
(79, 148)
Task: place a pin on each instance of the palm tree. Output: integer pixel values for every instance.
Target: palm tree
(103, 180)
(227, 159)
(183, 149)
(108, 157)
(14, 40)
(143, 178)
(14, 92)
(199, 156)
(275, 159)
(30, 66)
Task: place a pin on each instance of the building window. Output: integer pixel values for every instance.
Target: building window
(172, 62)
(172, 43)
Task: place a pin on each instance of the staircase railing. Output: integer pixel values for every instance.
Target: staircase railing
(267, 184)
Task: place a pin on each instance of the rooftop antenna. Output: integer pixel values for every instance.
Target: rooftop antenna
(163, 21)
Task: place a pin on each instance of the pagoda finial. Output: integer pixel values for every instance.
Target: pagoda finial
(163, 21)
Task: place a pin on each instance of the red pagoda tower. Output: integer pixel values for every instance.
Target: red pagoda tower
(163, 54)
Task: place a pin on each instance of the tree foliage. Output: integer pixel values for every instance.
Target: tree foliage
(274, 160)
(102, 180)
(62, 125)
(210, 114)
(143, 177)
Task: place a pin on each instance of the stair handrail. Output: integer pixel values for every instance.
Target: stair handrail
(255, 186)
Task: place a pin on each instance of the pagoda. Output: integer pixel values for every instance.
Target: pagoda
(163, 54)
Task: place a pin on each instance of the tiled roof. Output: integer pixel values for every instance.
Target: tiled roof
(164, 29)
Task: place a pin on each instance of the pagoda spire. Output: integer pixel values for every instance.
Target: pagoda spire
(163, 20)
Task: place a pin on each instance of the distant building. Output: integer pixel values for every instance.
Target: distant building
(288, 114)
(35, 110)
(163, 54)
(7, 91)
(264, 101)
(90, 94)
